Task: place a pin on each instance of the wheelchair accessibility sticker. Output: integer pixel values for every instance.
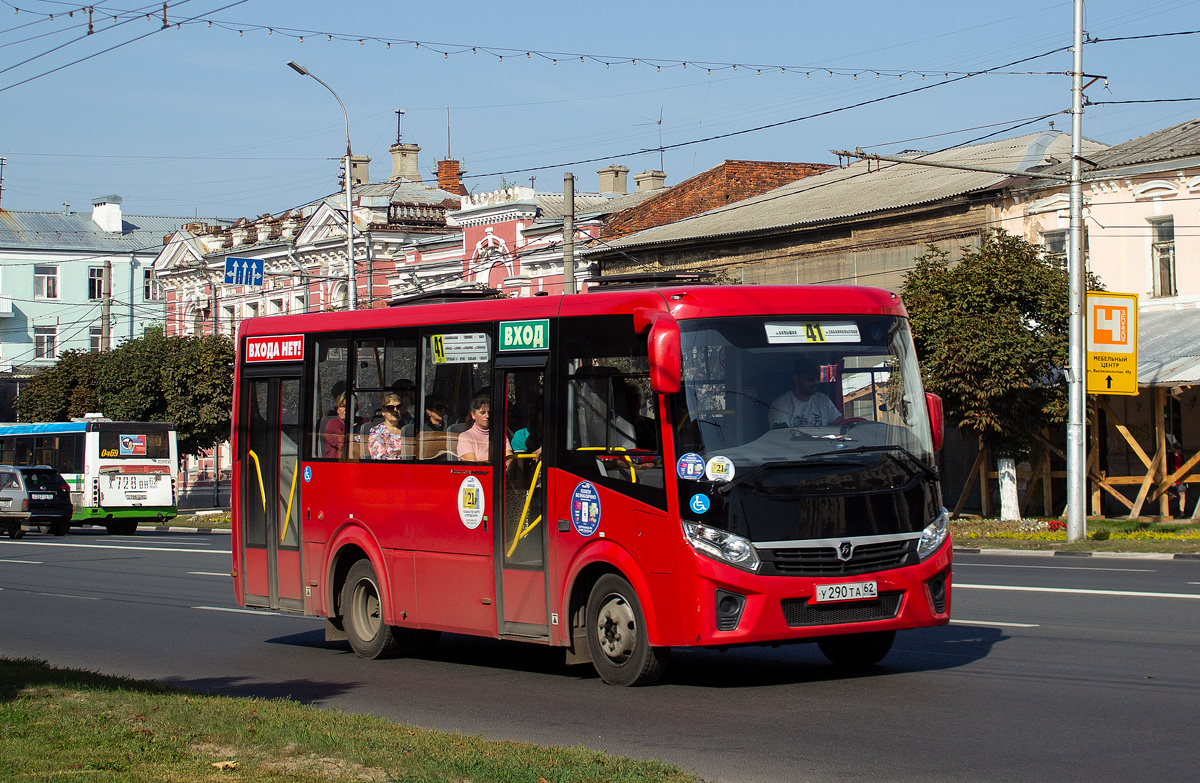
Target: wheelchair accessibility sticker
(699, 503)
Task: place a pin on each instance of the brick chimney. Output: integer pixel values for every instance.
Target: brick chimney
(612, 179)
(106, 213)
(360, 166)
(650, 180)
(404, 162)
(449, 177)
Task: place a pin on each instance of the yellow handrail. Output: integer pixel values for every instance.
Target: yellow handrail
(258, 469)
(522, 531)
(632, 472)
(287, 515)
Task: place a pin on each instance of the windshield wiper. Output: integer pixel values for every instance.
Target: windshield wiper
(922, 464)
(805, 462)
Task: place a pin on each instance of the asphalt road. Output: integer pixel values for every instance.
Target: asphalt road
(1055, 668)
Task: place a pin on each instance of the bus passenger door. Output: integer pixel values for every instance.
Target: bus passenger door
(270, 503)
(521, 539)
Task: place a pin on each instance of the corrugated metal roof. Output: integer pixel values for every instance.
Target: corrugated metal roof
(76, 231)
(552, 206)
(1169, 347)
(864, 188)
(1177, 141)
(405, 192)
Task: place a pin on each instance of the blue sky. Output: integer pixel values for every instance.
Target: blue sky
(208, 120)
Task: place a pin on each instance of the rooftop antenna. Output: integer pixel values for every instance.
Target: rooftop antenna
(532, 179)
(657, 122)
(2, 162)
(448, 132)
(399, 125)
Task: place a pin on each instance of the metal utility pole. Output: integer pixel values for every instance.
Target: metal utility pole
(1076, 369)
(351, 278)
(569, 233)
(106, 306)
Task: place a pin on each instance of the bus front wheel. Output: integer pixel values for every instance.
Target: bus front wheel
(855, 650)
(362, 615)
(616, 634)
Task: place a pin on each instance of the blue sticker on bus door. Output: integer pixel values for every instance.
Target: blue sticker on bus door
(690, 466)
(307, 473)
(585, 509)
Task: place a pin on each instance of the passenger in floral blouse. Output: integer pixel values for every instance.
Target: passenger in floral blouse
(385, 441)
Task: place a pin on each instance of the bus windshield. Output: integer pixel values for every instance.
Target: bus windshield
(769, 389)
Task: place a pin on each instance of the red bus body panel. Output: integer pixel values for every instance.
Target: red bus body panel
(438, 574)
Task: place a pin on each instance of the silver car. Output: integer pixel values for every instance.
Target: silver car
(14, 502)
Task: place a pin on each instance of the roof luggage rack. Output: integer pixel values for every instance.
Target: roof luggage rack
(448, 295)
(650, 280)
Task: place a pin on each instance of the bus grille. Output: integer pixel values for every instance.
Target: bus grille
(799, 613)
(823, 560)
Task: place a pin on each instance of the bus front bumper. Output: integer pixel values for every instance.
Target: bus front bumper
(737, 607)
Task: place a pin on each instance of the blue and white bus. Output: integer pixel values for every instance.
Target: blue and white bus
(120, 472)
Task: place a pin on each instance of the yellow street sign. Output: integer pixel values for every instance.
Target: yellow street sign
(1112, 343)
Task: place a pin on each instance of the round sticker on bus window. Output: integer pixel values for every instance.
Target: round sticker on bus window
(699, 503)
(470, 502)
(585, 508)
(690, 466)
(719, 469)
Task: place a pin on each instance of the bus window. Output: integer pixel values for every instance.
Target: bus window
(329, 403)
(383, 377)
(611, 424)
(457, 365)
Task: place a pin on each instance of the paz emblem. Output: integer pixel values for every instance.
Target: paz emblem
(845, 550)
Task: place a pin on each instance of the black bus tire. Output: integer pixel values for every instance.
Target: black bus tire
(362, 615)
(616, 635)
(121, 527)
(856, 650)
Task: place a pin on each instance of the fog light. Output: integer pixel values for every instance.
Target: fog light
(729, 610)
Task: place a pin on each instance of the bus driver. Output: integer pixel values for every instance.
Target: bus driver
(803, 405)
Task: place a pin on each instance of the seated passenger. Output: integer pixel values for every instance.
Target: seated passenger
(334, 433)
(803, 406)
(385, 441)
(473, 442)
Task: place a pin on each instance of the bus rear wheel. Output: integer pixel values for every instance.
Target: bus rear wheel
(362, 615)
(856, 650)
(121, 527)
(616, 634)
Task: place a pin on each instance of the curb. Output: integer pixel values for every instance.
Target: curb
(1059, 553)
(202, 530)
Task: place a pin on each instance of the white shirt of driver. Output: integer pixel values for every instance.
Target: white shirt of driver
(817, 410)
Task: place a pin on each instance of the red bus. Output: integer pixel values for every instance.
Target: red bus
(682, 465)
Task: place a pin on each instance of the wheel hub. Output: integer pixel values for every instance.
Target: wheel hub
(617, 628)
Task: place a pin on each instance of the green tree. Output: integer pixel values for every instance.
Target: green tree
(185, 380)
(197, 380)
(992, 334)
(63, 390)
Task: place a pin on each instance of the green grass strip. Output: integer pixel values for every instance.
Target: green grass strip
(68, 725)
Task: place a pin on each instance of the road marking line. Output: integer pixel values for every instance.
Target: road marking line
(30, 562)
(64, 595)
(252, 611)
(123, 548)
(1077, 591)
(1058, 568)
(208, 573)
(990, 623)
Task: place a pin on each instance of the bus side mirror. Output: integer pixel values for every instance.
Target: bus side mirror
(937, 419)
(666, 356)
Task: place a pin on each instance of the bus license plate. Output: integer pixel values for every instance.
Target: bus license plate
(847, 592)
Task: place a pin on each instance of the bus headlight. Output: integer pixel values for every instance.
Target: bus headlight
(933, 536)
(722, 545)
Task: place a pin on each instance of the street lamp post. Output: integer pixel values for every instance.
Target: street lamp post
(351, 279)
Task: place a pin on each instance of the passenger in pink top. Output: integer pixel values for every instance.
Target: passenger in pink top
(473, 442)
